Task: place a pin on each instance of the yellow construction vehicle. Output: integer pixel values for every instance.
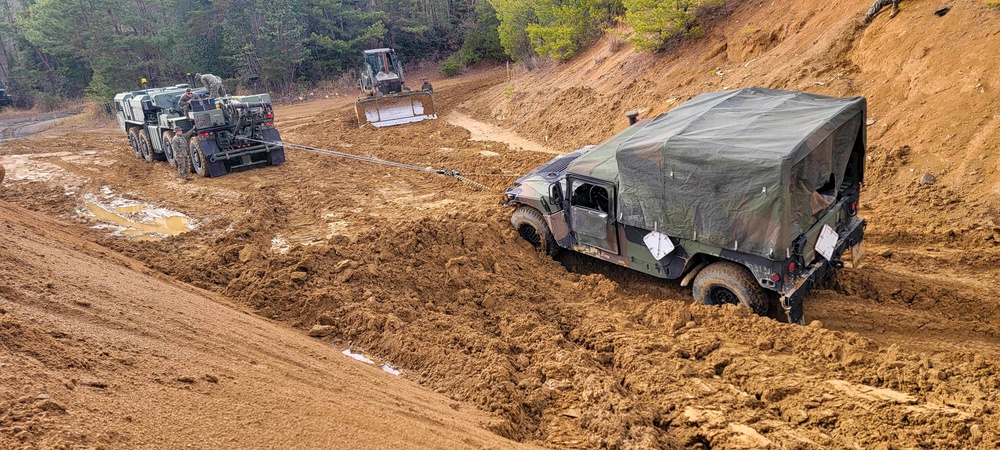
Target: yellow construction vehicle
(385, 99)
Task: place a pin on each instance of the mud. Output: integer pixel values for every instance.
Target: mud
(423, 271)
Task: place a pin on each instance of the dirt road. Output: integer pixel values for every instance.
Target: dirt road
(422, 271)
(25, 126)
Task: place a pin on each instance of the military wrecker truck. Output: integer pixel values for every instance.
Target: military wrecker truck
(751, 194)
(231, 133)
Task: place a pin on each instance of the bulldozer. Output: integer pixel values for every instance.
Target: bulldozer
(385, 99)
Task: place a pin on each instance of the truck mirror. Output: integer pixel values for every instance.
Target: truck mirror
(555, 193)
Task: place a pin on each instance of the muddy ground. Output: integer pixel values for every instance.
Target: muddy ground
(423, 271)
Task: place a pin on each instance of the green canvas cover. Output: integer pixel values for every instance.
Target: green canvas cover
(739, 169)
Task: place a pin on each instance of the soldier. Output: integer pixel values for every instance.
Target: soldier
(182, 152)
(212, 83)
(427, 86)
(185, 101)
(878, 5)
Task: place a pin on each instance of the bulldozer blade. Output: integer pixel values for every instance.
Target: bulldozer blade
(395, 109)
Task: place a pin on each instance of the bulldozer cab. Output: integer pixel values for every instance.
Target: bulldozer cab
(382, 72)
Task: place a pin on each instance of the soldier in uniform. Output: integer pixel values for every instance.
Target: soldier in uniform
(878, 5)
(182, 153)
(185, 101)
(212, 83)
(427, 86)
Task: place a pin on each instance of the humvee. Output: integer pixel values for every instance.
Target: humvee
(749, 194)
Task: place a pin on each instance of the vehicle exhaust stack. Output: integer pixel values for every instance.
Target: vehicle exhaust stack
(632, 115)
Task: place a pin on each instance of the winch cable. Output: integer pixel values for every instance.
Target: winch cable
(451, 173)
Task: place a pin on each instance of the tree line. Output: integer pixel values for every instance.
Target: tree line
(52, 50)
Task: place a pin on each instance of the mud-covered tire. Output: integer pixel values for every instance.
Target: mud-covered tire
(133, 141)
(168, 148)
(197, 161)
(531, 226)
(727, 282)
(145, 145)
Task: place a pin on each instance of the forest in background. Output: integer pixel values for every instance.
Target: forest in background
(52, 50)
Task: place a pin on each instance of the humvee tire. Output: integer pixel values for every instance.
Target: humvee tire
(168, 149)
(532, 227)
(198, 164)
(726, 282)
(145, 145)
(133, 141)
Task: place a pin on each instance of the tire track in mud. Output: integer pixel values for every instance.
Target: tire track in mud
(26, 126)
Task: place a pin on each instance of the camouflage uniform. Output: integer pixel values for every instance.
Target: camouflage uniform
(878, 5)
(213, 84)
(185, 102)
(427, 86)
(182, 153)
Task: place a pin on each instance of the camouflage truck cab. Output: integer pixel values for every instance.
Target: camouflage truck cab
(741, 192)
(232, 133)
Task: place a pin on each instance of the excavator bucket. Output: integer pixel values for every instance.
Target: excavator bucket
(395, 109)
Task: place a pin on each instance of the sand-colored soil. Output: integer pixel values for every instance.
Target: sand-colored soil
(423, 272)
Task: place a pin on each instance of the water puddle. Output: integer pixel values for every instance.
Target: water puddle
(134, 219)
(482, 131)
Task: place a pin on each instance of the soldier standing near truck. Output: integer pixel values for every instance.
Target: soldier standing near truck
(182, 152)
(213, 84)
(185, 101)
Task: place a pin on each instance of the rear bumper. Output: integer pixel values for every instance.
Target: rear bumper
(236, 153)
(792, 295)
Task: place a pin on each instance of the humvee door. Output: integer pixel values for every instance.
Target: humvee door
(592, 215)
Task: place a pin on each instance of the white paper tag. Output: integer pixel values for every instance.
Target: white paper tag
(827, 242)
(659, 244)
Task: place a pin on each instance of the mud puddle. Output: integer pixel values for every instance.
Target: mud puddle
(482, 131)
(133, 219)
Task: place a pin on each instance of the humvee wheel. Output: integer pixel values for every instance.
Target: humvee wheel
(726, 282)
(532, 227)
(145, 145)
(133, 141)
(168, 149)
(197, 160)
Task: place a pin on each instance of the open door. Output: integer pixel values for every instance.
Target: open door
(592, 215)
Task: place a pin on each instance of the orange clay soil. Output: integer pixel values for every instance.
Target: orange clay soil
(423, 272)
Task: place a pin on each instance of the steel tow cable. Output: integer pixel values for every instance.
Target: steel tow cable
(451, 173)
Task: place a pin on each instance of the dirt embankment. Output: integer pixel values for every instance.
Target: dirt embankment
(96, 351)
(422, 271)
